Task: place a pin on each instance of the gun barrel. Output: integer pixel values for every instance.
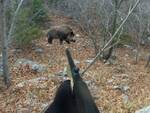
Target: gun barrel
(70, 60)
(74, 70)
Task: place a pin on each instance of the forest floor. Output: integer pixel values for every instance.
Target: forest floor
(104, 81)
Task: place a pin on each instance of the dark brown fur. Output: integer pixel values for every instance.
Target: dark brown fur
(63, 33)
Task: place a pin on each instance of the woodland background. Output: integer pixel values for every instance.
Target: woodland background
(31, 69)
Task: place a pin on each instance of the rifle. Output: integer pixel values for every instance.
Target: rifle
(83, 97)
(74, 69)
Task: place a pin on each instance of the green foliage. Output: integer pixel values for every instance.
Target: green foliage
(25, 37)
(28, 23)
(38, 11)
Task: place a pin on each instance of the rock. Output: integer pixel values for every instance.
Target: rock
(17, 50)
(77, 35)
(116, 87)
(0, 55)
(113, 60)
(128, 64)
(62, 73)
(144, 110)
(76, 61)
(134, 51)
(142, 42)
(110, 62)
(128, 46)
(125, 98)
(45, 105)
(110, 81)
(89, 61)
(35, 66)
(39, 50)
(125, 76)
(126, 55)
(88, 82)
(122, 88)
(125, 88)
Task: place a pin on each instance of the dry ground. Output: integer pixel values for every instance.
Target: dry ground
(32, 97)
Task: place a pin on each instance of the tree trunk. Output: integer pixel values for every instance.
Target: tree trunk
(148, 61)
(138, 50)
(108, 53)
(5, 45)
(1, 34)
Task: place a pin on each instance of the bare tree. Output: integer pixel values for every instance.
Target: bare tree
(139, 27)
(114, 35)
(6, 73)
(6, 38)
(113, 26)
(1, 24)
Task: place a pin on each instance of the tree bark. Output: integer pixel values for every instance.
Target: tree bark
(148, 61)
(6, 73)
(0, 26)
(108, 53)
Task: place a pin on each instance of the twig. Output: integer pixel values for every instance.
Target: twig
(13, 20)
(114, 35)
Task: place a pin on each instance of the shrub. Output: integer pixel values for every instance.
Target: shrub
(28, 23)
(25, 37)
(125, 39)
(38, 12)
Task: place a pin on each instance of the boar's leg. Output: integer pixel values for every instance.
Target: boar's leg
(61, 41)
(67, 41)
(50, 40)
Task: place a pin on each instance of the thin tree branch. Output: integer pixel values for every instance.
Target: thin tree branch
(120, 2)
(14, 20)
